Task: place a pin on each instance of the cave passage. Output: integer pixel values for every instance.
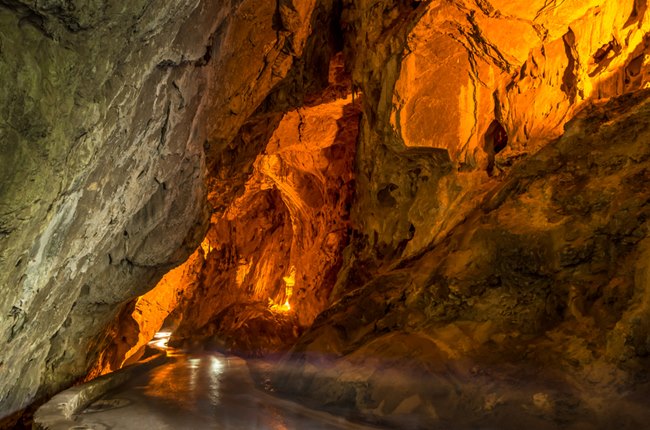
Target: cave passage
(325, 214)
(203, 391)
(272, 303)
(269, 260)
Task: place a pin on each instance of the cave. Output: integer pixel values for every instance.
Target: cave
(327, 214)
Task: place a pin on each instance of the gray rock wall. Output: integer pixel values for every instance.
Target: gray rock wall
(106, 112)
(101, 158)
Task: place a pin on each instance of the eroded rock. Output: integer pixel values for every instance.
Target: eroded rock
(482, 251)
(541, 286)
(106, 112)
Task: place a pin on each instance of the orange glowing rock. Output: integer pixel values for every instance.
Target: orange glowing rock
(461, 70)
(153, 308)
(279, 243)
(290, 282)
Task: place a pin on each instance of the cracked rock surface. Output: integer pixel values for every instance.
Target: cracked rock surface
(453, 192)
(532, 312)
(108, 111)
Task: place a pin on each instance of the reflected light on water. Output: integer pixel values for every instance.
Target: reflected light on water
(216, 372)
(193, 365)
(211, 391)
(160, 340)
(216, 365)
(170, 384)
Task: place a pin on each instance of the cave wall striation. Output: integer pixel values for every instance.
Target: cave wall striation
(499, 240)
(454, 191)
(111, 114)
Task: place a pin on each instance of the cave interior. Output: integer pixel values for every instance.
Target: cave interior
(417, 214)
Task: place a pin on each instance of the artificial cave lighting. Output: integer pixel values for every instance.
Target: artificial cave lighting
(206, 247)
(160, 340)
(290, 282)
(397, 207)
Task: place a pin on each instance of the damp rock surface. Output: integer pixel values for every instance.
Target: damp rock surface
(110, 115)
(532, 310)
(446, 190)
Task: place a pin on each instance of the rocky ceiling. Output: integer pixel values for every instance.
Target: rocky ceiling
(452, 189)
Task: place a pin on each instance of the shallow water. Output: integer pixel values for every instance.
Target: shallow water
(206, 391)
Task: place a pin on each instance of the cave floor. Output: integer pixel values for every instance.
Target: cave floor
(201, 391)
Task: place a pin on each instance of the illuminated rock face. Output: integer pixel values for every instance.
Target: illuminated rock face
(141, 318)
(279, 245)
(536, 307)
(441, 78)
(432, 220)
(527, 65)
(481, 243)
(290, 222)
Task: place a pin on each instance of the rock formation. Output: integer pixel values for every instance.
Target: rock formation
(108, 114)
(454, 189)
(539, 293)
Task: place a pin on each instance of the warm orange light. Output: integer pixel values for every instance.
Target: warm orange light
(275, 307)
(154, 307)
(160, 340)
(289, 281)
(205, 245)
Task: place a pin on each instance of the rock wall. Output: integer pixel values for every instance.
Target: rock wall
(485, 252)
(289, 217)
(129, 131)
(140, 319)
(280, 244)
(108, 112)
(272, 256)
(532, 312)
(454, 98)
(90, 139)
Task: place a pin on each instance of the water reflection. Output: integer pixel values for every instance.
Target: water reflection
(216, 370)
(207, 391)
(173, 384)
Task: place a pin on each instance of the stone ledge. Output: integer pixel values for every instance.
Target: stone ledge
(59, 412)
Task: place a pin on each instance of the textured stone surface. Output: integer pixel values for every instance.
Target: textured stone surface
(464, 69)
(290, 222)
(314, 144)
(534, 310)
(481, 249)
(140, 319)
(106, 113)
(90, 137)
(467, 271)
(437, 77)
